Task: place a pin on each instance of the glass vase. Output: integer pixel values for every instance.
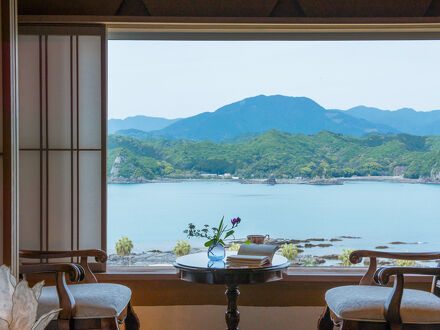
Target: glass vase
(216, 252)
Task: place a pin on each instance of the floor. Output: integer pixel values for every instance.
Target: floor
(212, 317)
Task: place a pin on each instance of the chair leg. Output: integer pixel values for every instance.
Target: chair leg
(64, 324)
(132, 320)
(349, 325)
(325, 322)
(109, 324)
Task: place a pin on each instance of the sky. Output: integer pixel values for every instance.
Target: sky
(176, 79)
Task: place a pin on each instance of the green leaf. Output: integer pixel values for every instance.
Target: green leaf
(221, 224)
(220, 229)
(247, 242)
(221, 242)
(209, 243)
(229, 233)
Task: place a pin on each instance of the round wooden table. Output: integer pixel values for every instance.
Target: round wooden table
(197, 268)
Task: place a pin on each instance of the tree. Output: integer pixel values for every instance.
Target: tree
(124, 246)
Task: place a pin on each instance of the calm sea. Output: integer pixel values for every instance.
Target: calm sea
(154, 215)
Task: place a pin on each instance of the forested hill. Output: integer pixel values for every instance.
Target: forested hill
(278, 154)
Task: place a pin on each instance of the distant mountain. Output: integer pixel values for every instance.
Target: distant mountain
(143, 123)
(262, 113)
(133, 133)
(405, 120)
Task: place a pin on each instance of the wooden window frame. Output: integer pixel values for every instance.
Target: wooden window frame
(10, 134)
(263, 29)
(171, 28)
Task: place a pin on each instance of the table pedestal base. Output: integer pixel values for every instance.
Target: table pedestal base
(232, 314)
(197, 268)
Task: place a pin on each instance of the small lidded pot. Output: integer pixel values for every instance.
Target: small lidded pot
(257, 239)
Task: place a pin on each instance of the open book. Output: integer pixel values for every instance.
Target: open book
(253, 255)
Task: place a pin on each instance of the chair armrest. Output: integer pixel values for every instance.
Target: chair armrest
(383, 274)
(382, 277)
(368, 278)
(100, 255)
(356, 256)
(76, 272)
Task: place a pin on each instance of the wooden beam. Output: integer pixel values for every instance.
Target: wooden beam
(99, 19)
(132, 8)
(75, 7)
(10, 133)
(274, 28)
(364, 8)
(236, 8)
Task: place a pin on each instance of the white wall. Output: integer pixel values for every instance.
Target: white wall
(212, 317)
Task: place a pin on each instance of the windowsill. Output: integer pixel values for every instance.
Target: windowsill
(297, 274)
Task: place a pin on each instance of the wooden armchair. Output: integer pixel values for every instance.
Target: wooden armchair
(368, 306)
(88, 305)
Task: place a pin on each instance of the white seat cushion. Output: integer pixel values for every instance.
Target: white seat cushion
(367, 303)
(93, 300)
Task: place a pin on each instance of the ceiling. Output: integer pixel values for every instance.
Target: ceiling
(234, 8)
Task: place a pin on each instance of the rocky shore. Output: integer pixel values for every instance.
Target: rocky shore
(316, 181)
(304, 258)
(166, 258)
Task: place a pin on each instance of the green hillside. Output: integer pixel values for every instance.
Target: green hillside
(277, 154)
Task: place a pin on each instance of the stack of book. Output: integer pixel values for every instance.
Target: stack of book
(252, 255)
(244, 260)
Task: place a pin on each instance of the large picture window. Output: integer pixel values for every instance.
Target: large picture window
(324, 146)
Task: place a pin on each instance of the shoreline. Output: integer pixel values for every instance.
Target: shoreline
(307, 255)
(273, 181)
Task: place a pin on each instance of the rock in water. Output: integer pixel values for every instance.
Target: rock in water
(271, 181)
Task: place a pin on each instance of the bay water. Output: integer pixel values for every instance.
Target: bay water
(154, 215)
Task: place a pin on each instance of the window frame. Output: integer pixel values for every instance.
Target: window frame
(198, 29)
(173, 28)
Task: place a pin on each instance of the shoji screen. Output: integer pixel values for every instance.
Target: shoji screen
(63, 120)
